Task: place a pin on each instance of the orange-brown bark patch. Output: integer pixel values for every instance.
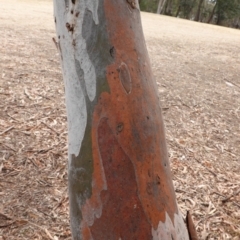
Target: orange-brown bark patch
(122, 216)
(135, 136)
(143, 137)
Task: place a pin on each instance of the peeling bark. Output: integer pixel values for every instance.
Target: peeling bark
(120, 184)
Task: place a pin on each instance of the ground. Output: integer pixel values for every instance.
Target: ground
(197, 69)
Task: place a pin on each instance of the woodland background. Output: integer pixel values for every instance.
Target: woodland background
(219, 12)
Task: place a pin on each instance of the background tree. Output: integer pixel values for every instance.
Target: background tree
(186, 7)
(211, 13)
(220, 12)
(197, 16)
(161, 4)
(167, 9)
(226, 10)
(149, 5)
(120, 183)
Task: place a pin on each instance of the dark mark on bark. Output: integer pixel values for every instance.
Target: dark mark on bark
(112, 52)
(70, 27)
(158, 180)
(77, 13)
(132, 3)
(119, 127)
(74, 42)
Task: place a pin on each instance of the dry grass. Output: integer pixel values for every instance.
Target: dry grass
(197, 69)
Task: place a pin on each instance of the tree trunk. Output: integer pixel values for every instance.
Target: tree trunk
(161, 4)
(197, 16)
(164, 7)
(120, 183)
(168, 8)
(218, 22)
(178, 11)
(212, 14)
(188, 14)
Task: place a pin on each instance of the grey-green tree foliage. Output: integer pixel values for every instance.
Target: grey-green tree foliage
(220, 12)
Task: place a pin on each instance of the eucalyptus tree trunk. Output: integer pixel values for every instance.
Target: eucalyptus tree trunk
(168, 8)
(120, 184)
(161, 4)
(212, 14)
(197, 16)
(178, 11)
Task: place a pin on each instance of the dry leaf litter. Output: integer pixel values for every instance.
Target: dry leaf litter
(197, 68)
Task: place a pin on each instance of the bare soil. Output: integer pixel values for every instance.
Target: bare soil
(197, 69)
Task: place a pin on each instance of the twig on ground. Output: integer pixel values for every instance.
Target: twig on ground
(27, 94)
(13, 118)
(228, 198)
(55, 43)
(50, 128)
(219, 194)
(213, 173)
(42, 228)
(33, 162)
(4, 217)
(45, 150)
(7, 225)
(7, 130)
(234, 84)
(4, 144)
